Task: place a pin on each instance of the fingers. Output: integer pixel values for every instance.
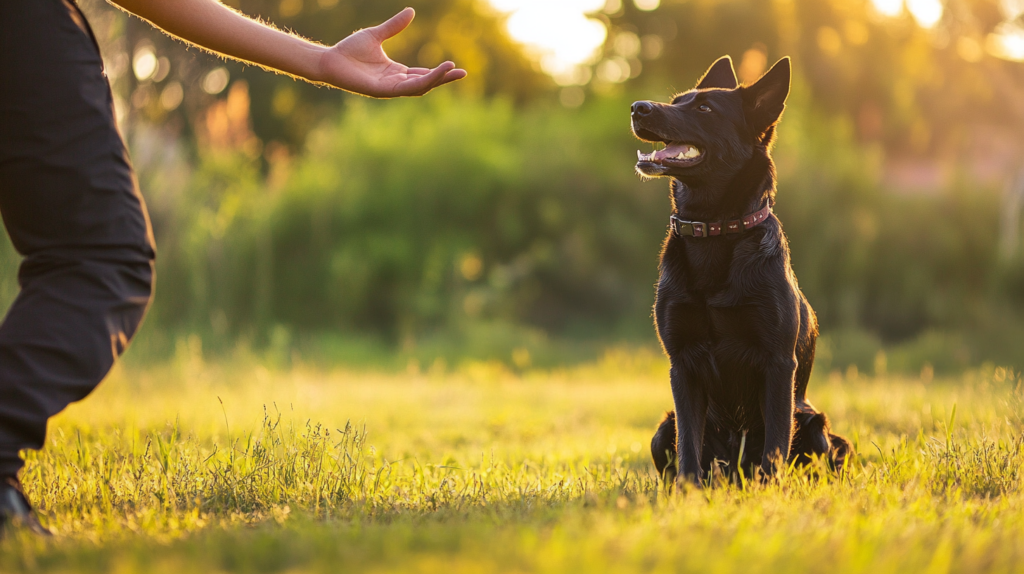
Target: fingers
(419, 81)
(422, 84)
(448, 78)
(396, 24)
(452, 75)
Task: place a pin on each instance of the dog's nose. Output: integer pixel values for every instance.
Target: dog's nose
(642, 108)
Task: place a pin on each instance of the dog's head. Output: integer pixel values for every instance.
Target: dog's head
(713, 129)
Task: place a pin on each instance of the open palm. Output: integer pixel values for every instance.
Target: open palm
(358, 64)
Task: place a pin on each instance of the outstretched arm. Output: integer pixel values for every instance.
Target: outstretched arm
(357, 63)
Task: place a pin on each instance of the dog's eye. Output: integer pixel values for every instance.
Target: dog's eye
(704, 108)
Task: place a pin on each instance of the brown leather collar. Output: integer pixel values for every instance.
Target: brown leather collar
(700, 229)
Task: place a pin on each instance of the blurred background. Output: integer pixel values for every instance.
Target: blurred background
(500, 219)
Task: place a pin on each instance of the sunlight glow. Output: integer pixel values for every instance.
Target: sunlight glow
(890, 8)
(171, 97)
(559, 33)
(1007, 42)
(969, 49)
(614, 70)
(215, 81)
(1011, 9)
(144, 64)
(926, 12)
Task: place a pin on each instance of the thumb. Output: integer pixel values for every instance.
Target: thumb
(396, 24)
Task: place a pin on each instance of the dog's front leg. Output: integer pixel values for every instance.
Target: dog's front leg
(777, 409)
(691, 415)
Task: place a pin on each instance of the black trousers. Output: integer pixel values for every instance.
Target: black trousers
(72, 209)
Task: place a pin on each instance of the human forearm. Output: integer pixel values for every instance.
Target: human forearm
(357, 63)
(220, 29)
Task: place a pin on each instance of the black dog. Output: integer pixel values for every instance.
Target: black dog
(739, 334)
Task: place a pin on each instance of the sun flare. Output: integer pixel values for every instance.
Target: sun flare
(888, 8)
(559, 34)
(927, 13)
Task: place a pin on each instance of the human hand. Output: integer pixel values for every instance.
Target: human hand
(358, 64)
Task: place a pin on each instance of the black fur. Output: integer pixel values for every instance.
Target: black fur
(739, 333)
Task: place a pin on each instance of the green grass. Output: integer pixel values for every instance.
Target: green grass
(231, 467)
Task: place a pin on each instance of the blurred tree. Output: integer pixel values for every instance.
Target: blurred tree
(486, 203)
(924, 89)
(933, 89)
(161, 80)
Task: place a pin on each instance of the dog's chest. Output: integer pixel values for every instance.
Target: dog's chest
(701, 268)
(700, 273)
(705, 305)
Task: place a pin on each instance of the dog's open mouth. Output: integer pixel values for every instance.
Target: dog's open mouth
(675, 154)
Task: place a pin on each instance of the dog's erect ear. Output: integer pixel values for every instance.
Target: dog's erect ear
(719, 75)
(764, 100)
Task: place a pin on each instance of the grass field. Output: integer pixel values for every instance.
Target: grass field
(230, 467)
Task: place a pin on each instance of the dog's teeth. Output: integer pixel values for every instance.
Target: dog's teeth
(639, 155)
(689, 153)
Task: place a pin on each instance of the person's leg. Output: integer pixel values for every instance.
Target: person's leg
(59, 339)
(71, 206)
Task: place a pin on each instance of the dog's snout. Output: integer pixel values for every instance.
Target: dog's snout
(642, 108)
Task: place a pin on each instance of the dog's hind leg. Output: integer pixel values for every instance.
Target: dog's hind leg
(841, 451)
(810, 436)
(663, 448)
(813, 437)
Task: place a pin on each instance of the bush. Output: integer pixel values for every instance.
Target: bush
(438, 219)
(402, 220)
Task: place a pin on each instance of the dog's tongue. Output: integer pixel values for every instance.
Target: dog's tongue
(677, 151)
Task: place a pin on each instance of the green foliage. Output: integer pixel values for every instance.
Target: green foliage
(918, 92)
(893, 262)
(401, 219)
(453, 227)
(408, 220)
(285, 110)
(484, 220)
